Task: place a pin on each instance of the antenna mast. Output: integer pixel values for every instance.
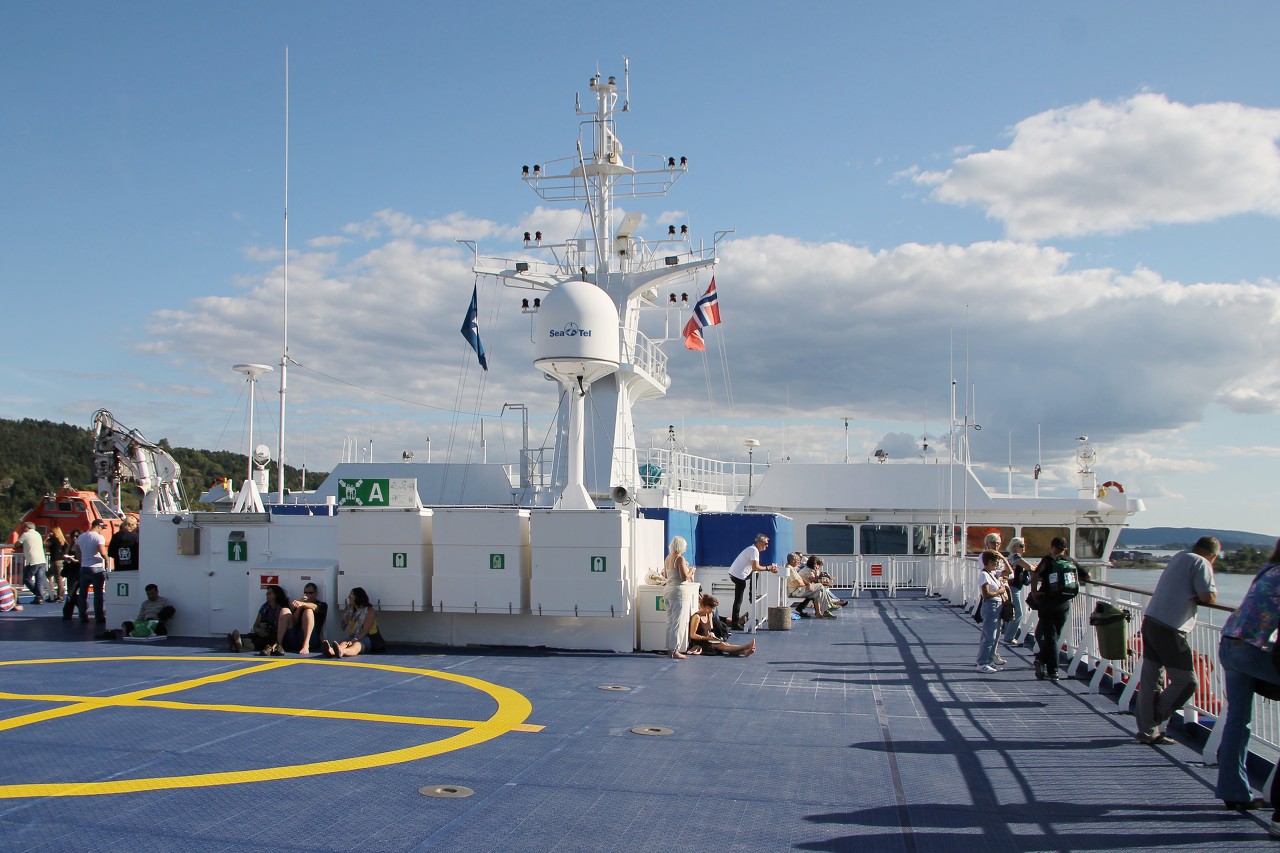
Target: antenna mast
(284, 352)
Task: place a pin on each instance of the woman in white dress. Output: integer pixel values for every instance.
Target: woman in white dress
(681, 597)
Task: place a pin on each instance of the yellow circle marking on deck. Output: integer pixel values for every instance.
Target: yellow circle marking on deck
(513, 710)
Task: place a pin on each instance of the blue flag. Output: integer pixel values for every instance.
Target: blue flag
(471, 331)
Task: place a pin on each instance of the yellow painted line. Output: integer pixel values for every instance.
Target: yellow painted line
(91, 703)
(315, 713)
(513, 709)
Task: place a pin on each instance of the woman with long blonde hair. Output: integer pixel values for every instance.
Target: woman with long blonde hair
(681, 597)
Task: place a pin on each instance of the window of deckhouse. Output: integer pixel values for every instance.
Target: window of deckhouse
(829, 539)
(928, 539)
(976, 536)
(1038, 539)
(884, 538)
(1091, 543)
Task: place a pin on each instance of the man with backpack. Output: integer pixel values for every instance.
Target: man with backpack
(1055, 582)
(1185, 584)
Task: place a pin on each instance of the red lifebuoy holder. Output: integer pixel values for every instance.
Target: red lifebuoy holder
(1112, 483)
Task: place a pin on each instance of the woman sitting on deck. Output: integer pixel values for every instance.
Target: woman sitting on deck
(273, 620)
(815, 572)
(701, 638)
(360, 622)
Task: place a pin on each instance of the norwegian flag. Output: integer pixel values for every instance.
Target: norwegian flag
(705, 313)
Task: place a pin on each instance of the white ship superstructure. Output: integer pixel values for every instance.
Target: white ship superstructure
(556, 552)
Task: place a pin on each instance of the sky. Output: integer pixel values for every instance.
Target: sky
(1067, 209)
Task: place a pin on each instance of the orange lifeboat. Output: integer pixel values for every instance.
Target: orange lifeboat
(69, 509)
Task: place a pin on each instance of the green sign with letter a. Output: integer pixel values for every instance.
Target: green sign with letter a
(364, 492)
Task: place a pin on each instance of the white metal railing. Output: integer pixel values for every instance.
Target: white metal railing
(680, 471)
(644, 354)
(11, 564)
(888, 572)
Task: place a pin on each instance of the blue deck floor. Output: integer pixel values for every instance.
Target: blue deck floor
(870, 732)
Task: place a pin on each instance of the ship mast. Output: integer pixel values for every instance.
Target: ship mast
(632, 269)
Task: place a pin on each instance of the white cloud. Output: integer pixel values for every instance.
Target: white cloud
(1113, 167)
(1256, 451)
(812, 332)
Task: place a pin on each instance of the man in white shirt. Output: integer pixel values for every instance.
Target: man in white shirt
(93, 570)
(744, 566)
(33, 562)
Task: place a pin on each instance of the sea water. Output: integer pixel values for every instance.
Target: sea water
(1231, 587)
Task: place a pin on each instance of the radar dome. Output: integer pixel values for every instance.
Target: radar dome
(576, 333)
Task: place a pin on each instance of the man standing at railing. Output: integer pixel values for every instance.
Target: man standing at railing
(744, 566)
(1185, 584)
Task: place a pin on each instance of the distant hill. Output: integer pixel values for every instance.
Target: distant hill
(35, 456)
(1170, 538)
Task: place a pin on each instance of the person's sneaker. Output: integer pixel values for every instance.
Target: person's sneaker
(233, 640)
(1012, 644)
(1053, 676)
(829, 615)
(1041, 672)
(986, 668)
(37, 600)
(999, 661)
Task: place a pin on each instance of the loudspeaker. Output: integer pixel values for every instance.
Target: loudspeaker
(620, 495)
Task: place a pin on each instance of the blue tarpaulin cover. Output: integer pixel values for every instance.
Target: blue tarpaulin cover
(722, 536)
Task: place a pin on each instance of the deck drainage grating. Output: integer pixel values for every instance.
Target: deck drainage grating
(446, 792)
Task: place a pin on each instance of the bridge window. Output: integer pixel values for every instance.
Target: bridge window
(1038, 539)
(1091, 543)
(885, 538)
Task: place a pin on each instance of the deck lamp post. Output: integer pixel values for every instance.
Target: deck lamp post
(751, 444)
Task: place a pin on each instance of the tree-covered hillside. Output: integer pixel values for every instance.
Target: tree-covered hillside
(35, 457)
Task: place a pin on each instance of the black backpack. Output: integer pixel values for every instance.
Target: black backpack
(1061, 580)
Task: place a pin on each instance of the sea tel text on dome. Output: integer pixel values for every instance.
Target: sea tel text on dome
(570, 330)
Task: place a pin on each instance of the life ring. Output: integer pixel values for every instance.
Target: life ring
(1110, 483)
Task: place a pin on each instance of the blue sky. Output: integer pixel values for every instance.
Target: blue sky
(1083, 196)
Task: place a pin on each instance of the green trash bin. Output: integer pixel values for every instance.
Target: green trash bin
(1111, 623)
